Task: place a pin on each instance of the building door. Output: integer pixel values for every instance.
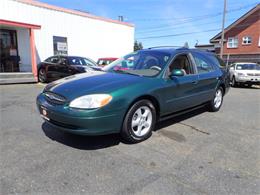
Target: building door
(9, 57)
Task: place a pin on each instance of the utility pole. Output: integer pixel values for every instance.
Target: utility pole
(223, 29)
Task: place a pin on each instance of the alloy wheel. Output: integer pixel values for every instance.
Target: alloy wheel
(142, 121)
(218, 98)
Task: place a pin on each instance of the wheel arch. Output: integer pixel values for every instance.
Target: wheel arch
(151, 98)
(222, 85)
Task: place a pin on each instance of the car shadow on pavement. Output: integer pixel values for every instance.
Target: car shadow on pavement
(105, 141)
(179, 118)
(79, 141)
(248, 87)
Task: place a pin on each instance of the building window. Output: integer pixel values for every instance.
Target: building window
(232, 42)
(259, 42)
(60, 46)
(9, 56)
(247, 40)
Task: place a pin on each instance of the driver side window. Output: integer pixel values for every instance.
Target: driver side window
(181, 62)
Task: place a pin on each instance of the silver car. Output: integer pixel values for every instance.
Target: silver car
(245, 73)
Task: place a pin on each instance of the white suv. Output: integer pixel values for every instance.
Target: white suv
(245, 73)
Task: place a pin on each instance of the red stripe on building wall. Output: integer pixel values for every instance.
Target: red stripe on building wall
(19, 24)
(33, 54)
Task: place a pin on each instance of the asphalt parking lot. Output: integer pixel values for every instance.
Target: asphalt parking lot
(197, 153)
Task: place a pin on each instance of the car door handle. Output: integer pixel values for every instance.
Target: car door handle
(194, 82)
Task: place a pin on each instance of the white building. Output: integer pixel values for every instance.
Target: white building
(31, 31)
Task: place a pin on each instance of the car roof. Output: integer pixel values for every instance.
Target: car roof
(172, 50)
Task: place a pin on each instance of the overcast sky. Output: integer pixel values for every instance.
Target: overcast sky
(166, 22)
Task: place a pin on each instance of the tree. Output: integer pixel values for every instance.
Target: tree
(138, 45)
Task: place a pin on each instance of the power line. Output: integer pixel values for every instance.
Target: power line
(180, 26)
(179, 34)
(188, 33)
(198, 18)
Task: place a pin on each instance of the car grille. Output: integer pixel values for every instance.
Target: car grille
(54, 98)
(253, 74)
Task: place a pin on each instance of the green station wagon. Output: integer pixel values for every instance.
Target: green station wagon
(134, 92)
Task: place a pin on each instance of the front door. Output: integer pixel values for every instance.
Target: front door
(180, 91)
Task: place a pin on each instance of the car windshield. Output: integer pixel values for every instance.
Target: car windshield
(80, 61)
(141, 63)
(104, 62)
(248, 67)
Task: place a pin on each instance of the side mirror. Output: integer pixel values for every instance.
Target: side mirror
(231, 68)
(177, 73)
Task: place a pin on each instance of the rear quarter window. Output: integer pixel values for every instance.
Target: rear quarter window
(218, 61)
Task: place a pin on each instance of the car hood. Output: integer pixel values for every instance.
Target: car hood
(92, 83)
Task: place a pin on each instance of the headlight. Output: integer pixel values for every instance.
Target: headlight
(240, 74)
(91, 101)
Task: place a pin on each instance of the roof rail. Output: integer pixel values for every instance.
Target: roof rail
(175, 47)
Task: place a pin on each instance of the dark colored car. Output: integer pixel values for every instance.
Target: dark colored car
(56, 67)
(105, 61)
(135, 92)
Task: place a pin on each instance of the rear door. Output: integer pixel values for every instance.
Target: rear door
(208, 76)
(63, 67)
(51, 66)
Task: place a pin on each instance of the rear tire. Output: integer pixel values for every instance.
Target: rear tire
(139, 122)
(42, 76)
(233, 82)
(215, 104)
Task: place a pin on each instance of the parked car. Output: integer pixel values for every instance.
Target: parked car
(105, 61)
(56, 67)
(135, 92)
(245, 73)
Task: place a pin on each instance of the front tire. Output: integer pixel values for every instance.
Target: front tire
(139, 122)
(215, 104)
(42, 76)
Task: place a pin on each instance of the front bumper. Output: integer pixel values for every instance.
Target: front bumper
(248, 79)
(83, 122)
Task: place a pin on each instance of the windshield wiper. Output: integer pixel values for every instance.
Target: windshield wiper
(125, 72)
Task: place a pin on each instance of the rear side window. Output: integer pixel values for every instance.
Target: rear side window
(221, 63)
(52, 60)
(48, 59)
(202, 63)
